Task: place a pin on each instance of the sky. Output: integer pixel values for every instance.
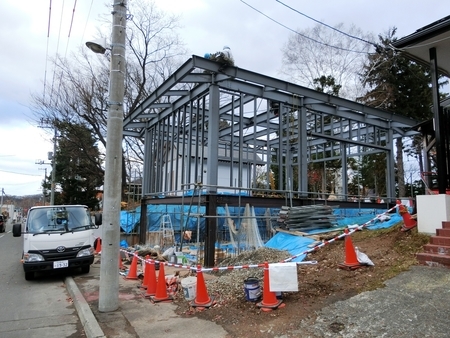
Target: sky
(30, 38)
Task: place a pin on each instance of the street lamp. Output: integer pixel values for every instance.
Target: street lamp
(97, 46)
(109, 268)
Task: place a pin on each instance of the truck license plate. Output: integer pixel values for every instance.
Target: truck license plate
(60, 264)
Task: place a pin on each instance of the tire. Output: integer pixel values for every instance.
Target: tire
(29, 275)
(86, 269)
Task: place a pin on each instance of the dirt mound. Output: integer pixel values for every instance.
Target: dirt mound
(391, 250)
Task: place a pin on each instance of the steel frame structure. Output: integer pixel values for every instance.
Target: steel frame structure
(207, 115)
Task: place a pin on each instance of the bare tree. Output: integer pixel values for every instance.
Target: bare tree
(400, 85)
(79, 89)
(321, 51)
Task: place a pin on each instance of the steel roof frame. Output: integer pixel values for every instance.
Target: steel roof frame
(187, 93)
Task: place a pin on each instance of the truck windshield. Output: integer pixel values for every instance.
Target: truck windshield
(58, 219)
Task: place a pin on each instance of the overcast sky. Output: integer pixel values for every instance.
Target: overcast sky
(208, 25)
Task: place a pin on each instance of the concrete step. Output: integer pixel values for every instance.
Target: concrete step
(443, 232)
(437, 249)
(446, 224)
(440, 240)
(433, 259)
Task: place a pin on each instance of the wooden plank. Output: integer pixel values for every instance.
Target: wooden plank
(297, 233)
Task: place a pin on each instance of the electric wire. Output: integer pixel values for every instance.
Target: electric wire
(13, 172)
(302, 35)
(326, 25)
(87, 20)
(73, 14)
(57, 49)
(67, 46)
(48, 39)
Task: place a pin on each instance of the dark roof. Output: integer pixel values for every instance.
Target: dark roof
(417, 45)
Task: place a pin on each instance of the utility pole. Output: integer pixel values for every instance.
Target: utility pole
(48, 123)
(52, 191)
(112, 187)
(45, 181)
(1, 208)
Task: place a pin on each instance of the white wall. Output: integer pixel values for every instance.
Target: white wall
(431, 211)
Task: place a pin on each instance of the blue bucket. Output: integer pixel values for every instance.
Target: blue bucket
(252, 289)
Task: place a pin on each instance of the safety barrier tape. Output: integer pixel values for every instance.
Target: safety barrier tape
(248, 266)
(351, 231)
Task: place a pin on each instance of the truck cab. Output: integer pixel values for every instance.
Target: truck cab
(57, 237)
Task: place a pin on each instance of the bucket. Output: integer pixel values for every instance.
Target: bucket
(181, 259)
(189, 285)
(252, 289)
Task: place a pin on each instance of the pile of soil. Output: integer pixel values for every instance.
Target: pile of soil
(391, 251)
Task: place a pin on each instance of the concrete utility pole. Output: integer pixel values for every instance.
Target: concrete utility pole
(45, 123)
(1, 208)
(45, 180)
(112, 192)
(52, 191)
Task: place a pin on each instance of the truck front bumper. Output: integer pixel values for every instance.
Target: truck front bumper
(48, 265)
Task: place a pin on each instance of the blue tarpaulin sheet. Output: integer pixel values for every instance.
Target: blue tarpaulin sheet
(291, 243)
(294, 244)
(129, 220)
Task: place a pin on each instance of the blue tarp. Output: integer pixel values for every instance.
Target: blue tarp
(281, 241)
(298, 244)
(129, 221)
(344, 217)
(291, 243)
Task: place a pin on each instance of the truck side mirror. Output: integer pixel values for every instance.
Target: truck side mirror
(98, 219)
(17, 230)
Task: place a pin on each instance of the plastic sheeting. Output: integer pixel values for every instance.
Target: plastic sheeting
(345, 217)
(291, 243)
(129, 220)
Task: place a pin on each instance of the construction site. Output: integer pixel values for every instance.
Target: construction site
(224, 145)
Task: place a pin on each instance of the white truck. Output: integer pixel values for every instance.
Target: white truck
(57, 237)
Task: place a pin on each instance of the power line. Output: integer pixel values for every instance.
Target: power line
(87, 20)
(57, 47)
(73, 14)
(12, 172)
(302, 35)
(326, 25)
(67, 46)
(48, 39)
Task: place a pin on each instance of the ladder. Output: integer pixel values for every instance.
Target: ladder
(167, 233)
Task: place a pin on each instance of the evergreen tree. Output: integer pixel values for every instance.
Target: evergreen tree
(399, 85)
(78, 166)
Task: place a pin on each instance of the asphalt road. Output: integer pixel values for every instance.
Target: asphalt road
(39, 308)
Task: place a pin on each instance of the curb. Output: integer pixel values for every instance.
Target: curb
(88, 320)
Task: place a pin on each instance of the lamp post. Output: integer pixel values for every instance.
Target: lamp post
(109, 268)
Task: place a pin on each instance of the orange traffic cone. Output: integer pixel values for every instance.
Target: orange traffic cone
(270, 301)
(351, 260)
(146, 275)
(151, 279)
(161, 294)
(202, 299)
(98, 246)
(121, 267)
(408, 221)
(132, 272)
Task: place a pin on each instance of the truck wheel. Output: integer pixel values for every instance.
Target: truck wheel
(85, 269)
(29, 275)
